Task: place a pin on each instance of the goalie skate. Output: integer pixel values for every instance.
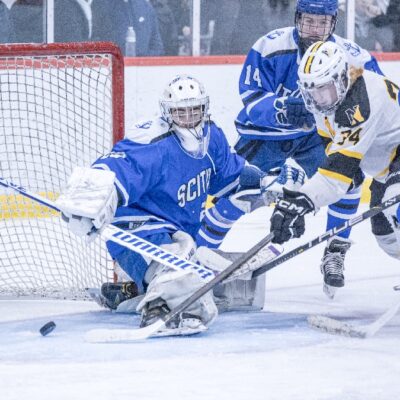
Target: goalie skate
(183, 324)
(114, 296)
(95, 294)
(219, 260)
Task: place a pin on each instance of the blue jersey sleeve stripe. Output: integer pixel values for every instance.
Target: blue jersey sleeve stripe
(251, 105)
(281, 53)
(254, 97)
(247, 93)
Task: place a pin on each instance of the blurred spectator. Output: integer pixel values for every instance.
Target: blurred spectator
(6, 26)
(392, 21)
(183, 12)
(167, 25)
(369, 34)
(394, 13)
(239, 23)
(111, 19)
(226, 20)
(70, 21)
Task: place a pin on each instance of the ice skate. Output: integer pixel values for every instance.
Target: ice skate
(182, 324)
(116, 293)
(332, 265)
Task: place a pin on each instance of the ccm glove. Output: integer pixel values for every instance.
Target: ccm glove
(297, 114)
(287, 220)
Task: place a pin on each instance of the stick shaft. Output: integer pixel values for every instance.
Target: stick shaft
(327, 235)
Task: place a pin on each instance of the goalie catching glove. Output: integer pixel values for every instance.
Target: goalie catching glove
(287, 221)
(89, 201)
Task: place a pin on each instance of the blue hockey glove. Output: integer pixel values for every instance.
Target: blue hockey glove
(287, 220)
(297, 114)
(273, 182)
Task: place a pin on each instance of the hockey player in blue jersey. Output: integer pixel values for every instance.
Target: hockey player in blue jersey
(164, 170)
(274, 124)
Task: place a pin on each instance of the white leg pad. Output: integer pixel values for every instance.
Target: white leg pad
(389, 244)
(174, 287)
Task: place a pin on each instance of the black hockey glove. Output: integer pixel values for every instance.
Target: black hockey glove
(287, 221)
(297, 114)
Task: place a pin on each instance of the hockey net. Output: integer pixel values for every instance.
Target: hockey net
(61, 106)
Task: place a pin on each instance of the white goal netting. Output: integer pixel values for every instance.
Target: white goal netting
(60, 106)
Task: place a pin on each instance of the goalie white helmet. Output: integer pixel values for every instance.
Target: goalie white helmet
(324, 77)
(184, 104)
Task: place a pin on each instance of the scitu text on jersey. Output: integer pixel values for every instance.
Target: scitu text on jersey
(194, 188)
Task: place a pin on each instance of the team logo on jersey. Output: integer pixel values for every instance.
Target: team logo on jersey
(194, 188)
(352, 48)
(144, 125)
(282, 91)
(354, 115)
(114, 154)
(275, 34)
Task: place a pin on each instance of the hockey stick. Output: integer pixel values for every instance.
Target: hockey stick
(126, 239)
(336, 327)
(128, 335)
(118, 335)
(327, 235)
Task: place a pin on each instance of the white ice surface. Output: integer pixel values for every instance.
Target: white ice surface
(267, 355)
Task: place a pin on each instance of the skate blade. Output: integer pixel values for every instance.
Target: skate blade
(330, 291)
(95, 294)
(182, 331)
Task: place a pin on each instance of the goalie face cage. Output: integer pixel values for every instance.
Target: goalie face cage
(61, 105)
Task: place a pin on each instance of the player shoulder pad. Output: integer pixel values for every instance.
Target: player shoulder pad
(150, 131)
(277, 42)
(355, 109)
(357, 56)
(215, 129)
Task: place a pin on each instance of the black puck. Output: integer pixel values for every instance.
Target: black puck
(47, 328)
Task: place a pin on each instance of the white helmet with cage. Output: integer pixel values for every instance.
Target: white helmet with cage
(324, 77)
(184, 104)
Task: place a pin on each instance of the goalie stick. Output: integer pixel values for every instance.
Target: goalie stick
(336, 327)
(130, 335)
(127, 239)
(118, 335)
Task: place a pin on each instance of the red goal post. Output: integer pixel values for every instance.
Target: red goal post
(61, 105)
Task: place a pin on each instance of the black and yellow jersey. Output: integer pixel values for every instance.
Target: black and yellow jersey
(364, 132)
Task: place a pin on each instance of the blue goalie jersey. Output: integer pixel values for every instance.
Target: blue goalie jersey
(269, 75)
(162, 188)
